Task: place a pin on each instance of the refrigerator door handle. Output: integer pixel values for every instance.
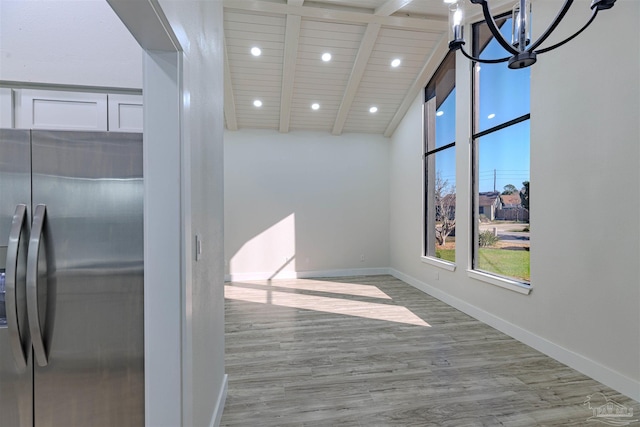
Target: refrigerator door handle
(12, 278)
(33, 271)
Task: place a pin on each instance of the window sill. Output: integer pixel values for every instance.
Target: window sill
(437, 262)
(511, 285)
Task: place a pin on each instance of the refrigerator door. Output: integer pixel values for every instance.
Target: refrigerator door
(16, 373)
(88, 279)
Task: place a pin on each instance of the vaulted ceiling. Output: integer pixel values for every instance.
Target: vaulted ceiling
(363, 38)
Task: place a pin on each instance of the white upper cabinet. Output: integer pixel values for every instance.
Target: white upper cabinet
(125, 113)
(6, 107)
(44, 109)
(67, 110)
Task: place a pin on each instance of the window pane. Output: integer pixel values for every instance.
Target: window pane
(446, 121)
(441, 209)
(440, 166)
(502, 185)
(503, 94)
(440, 96)
(445, 204)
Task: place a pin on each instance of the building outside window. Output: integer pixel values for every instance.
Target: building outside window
(501, 159)
(440, 163)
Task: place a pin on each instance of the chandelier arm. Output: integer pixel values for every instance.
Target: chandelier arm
(567, 40)
(552, 27)
(484, 61)
(491, 23)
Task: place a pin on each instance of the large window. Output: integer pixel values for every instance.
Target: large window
(500, 161)
(440, 163)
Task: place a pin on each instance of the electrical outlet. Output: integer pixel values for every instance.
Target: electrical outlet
(362, 258)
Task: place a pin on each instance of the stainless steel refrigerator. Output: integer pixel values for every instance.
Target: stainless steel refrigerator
(71, 279)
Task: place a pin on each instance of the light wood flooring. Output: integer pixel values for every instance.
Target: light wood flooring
(374, 351)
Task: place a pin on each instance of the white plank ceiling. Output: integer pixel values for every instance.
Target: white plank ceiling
(363, 37)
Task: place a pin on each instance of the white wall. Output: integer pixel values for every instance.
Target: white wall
(305, 202)
(198, 27)
(585, 157)
(79, 42)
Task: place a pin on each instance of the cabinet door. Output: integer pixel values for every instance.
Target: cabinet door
(6, 107)
(125, 113)
(44, 109)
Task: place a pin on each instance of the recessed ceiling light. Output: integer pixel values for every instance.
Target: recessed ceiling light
(256, 51)
(491, 116)
(326, 57)
(315, 106)
(373, 109)
(439, 113)
(396, 63)
(257, 103)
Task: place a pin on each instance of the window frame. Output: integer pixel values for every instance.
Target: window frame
(430, 108)
(479, 42)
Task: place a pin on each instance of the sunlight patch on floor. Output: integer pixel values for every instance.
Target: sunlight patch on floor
(369, 310)
(333, 287)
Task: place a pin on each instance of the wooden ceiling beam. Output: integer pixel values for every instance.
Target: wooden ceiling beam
(360, 65)
(229, 100)
(292, 37)
(391, 7)
(344, 16)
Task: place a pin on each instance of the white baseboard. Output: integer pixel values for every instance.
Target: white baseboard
(222, 397)
(598, 372)
(238, 277)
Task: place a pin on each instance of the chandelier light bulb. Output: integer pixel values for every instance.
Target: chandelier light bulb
(456, 17)
(521, 25)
